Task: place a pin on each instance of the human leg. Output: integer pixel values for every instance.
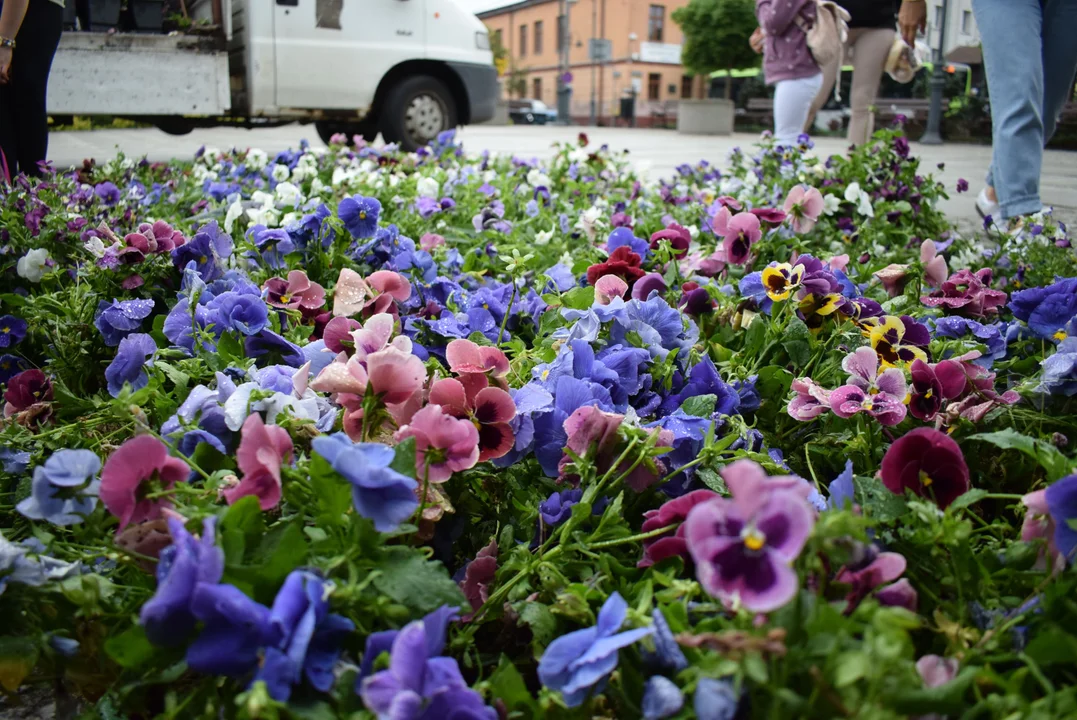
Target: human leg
(37, 40)
(792, 101)
(830, 75)
(1011, 33)
(869, 58)
(1059, 60)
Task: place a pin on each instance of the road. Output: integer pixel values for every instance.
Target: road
(656, 151)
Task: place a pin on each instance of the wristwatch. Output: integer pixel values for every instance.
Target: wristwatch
(6, 42)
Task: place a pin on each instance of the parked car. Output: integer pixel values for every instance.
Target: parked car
(407, 69)
(529, 112)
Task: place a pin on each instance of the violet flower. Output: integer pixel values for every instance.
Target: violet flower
(360, 215)
(119, 319)
(64, 489)
(967, 293)
(129, 366)
(12, 331)
(927, 462)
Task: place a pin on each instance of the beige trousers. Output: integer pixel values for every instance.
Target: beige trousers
(869, 48)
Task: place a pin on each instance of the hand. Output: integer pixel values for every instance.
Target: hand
(756, 40)
(911, 18)
(5, 65)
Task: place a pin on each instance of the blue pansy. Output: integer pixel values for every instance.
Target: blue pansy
(118, 319)
(703, 379)
(12, 330)
(1060, 370)
(236, 312)
(129, 365)
(309, 637)
(206, 250)
(558, 507)
(271, 346)
(580, 662)
(990, 335)
(436, 625)
(561, 277)
(360, 215)
(10, 366)
(180, 323)
(235, 631)
(841, 488)
(1062, 505)
(667, 655)
(379, 493)
(14, 462)
(661, 698)
(1046, 310)
(715, 700)
(108, 193)
(188, 561)
(570, 394)
(688, 434)
(64, 489)
(272, 244)
(624, 237)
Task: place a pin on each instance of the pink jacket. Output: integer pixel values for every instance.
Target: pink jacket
(785, 49)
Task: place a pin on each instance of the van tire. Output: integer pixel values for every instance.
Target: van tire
(416, 110)
(327, 129)
(174, 125)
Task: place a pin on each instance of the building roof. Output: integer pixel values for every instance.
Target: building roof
(511, 8)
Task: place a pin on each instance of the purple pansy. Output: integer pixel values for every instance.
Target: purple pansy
(117, 320)
(12, 330)
(129, 365)
(360, 215)
(64, 489)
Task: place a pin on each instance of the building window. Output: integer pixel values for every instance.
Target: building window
(560, 33)
(686, 87)
(537, 47)
(654, 86)
(536, 88)
(656, 20)
(938, 17)
(523, 40)
(966, 22)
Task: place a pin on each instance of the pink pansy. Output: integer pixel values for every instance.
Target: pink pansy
(980, 396)
(711, 266)
(391, 283)
(342, 376)
(429, 241)
(969, 294)
(899, 594)
(353, 295)
(811, 400)
(394, 374)
(838, 262)
(448, 444)
(297, 292)
(935, 270)
(803, 205)
(609, 287)
(465, 356)
(262, 449)
(142, 458)
(881, 569)
(848, 400)
(749, 483)
(338, 334)
(740, 233)
(1039, 525)
(863, 368)
(132, 281)
(490, 409)
(894, 277)
(301, 380)
(158, 237)
(374, 335)
(771, 216)
(592, 433)
(350, 294)
(478, 576)
(936, 671)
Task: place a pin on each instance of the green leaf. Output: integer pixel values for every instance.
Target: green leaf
(18, 655)
(407, 577)
(754, 337)
(880, 503)
(230, 348)
(945, 699)
(700, 405)
(1047, 455)
(797, 342)
(404, 458)
(508, 685)
(712, 480)
(579, 298)
(850, 668)
(543, 623)
(131, 648)
(1053, 646)
(332, 490)
(973, 496)
(241, 523)
(177, 376)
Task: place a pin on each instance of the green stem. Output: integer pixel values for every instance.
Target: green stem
(508, 311)
(633, 538)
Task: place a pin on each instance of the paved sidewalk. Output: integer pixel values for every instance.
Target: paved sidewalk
(657, 151)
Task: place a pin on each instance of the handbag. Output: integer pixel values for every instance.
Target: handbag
(828, 33)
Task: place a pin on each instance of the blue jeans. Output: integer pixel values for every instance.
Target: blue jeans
(1030, 53)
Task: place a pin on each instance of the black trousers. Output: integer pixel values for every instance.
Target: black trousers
(24, 120)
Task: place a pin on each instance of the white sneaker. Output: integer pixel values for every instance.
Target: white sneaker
(985, 207)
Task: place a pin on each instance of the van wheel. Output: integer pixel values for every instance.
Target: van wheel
(417, 110)
(327, 129)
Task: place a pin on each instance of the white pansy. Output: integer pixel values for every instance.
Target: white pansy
(566, 259)
(852, 192)
(317, 187)
(95, 247)
(32, 266)
(537, 178)
(693, 231)
(289, 219)
(288, 194)
(210, 155)
(280, 173)
(394, 180)
(543, 237)
(489, 176)
(751, 180)
(235, 212)
(831, 204)
(427, 187)
(301, 173)
(589, 222)
(256, 159)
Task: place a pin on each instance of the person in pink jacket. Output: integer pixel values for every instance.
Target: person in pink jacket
(788, 64)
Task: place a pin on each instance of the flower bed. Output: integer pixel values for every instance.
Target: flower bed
(357, 433)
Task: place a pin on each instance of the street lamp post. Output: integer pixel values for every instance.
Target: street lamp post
(932, 135)
(564, 91)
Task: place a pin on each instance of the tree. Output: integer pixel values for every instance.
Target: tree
(500, 52)
(716, 36)
(517, 84)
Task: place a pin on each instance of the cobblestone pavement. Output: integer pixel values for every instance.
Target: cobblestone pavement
(656, 151)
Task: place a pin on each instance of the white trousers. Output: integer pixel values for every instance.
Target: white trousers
(792, 102)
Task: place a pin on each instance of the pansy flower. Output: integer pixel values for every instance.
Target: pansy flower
(739, 232)
(931, 384)
(803, 206)
(489, 409)
(927, 462)
(781, 279)
(897, 340)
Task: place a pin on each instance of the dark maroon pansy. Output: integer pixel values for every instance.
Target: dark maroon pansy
(28, 388)
(927, 462)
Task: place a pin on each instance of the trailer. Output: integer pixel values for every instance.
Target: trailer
(406, 68)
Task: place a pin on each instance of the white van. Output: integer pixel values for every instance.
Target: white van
(407, 68)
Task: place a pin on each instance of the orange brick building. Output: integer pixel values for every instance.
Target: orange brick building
(644, 56)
